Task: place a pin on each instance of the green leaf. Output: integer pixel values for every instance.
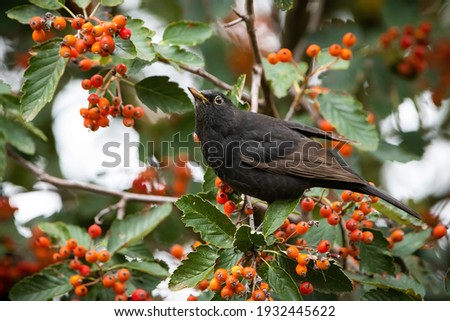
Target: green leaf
(411, 243)
(402, 283)
(45, 285)
(396, 214)
(228, 258)
(62, 232)
(236, 92)
(347, 116)
(111, 3)
(282, 283)
(157, 92)
(277, 213)
(41, 78)
(324, 231)
(384, 262)
(138, 251)
(410, 9)
(151, 268)
(447, 281)
(78, 233)
(385, 295)
(125, 49)
(141, 37)
(281, 77)
(48, 4)
(83, 4)
(25, 12)
(284, 4)
(245, 239)
(389, 152)
(213, 226)
(178, 55)
(141, 280)
(188, 33)
(209, 180)
(2, 156)
(16, 135)
(134, 227)
(324, 58)
(194, 269)
(5, 89)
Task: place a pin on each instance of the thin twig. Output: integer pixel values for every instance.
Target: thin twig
(64, 183)
(256, 81)
(233, 23)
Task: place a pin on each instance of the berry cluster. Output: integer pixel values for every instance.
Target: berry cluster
(222, 196)
(283, 55)
(439, 77)
(408, 47)
(82, 259)
(336, 50)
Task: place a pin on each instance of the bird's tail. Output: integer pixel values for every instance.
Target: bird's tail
(371, 190)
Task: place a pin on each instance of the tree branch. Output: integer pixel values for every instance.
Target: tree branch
(68, 184)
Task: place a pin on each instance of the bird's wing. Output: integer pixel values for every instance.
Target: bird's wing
(309, 131)
(309, 159)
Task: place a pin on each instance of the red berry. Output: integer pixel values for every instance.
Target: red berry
(97, 81)
(125, 33)
(121, 69)
(37, 23)
(94, 231)
(123, 275)
(77, 23)
(107, 43)
(356, 235)
(221, 197)
(84, 270)
(302, 227)
(229, 207)
(307, 204)
(306, 288)
(346, 196)
(291, 229)
(139, 295)
(333, 219)
(323, 246)
(439, 231)
(272, 58)
(335, 50)
(397, 235)
(325, 211)
(351, 224)
(406, 41)
(128, 122)
(86, 84)
(367, 237)
(93, 99)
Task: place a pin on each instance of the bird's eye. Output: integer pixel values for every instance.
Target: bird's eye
(218, 100)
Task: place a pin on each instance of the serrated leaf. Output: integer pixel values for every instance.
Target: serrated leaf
(280, 77)
(2, 156)
(134, 227)
(25, 12)
(151, 268)
(138, 251)
(47, 284)
(78, 233)
(282, 283)
(401, 283)
(347, 116)
(385, 295)
(284, 4)
(83, 4)
(277, 213)
(141, 37)
(195, 268)
(188, 33)
(111, 3)
(213, 226)
(141, 280)
(324, 231)
(48, 4)
(178, 55)
(16, 135)
(209, 180)
(411, 243)
(396, 214)
(125, 49)
(245, 239)
(324, 58)
(157, 92)
(447, 281)
(384, 262)
(228, 258)
(41, 78)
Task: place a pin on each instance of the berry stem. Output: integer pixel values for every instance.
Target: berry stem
(68, 10)
(94, 11)
(85, 14)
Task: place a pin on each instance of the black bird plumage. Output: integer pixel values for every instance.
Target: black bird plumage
(269, 158)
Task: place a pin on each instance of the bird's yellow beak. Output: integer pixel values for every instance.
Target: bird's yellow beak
(198, 95)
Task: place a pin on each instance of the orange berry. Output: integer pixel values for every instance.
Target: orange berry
(81, 46)
(302, 227)
(307, 204)
(356, 235)
(192, 298)
(303, 259)
(215, 285)
(38, 35)
(353, 250)
(258, 295)
(56, 257)
(203, 285)
(226, 292)
(336, 206)
(346, 196)
(128, 122)
(221, 275)
(75, 264)
(365, 207)
(77, 23)
(37, 23)
(91, 256)
(397, 235)
(64, 251)
(325, 211)
(391, 242)
(119, 287)
(81, 290)
(333, 219)
(239, 290)
(103, 256)
(284, 55)
(237, 271)
(107, 43)
(292, 252)
(313, 50)
(65, 51)
(69, 40)
(85, 64)
(59, 23)
(357, 197)
(121, 297)
(264, 287)
(272, 58)
(229, 207)
(301, 269)
(371, 118)
(349, 39)
(323, 246)
(346, 150)
(346, 54)
(108, 281)
(43, 241)
(367, 224)
(351, 224)
(76, 280)
(120, 21)
(291, 229)
(335, 50)
(79, 251)
(358, 215)
(249, 273)
(97, 31)
(326, 125)
(71, 243)
(323, 264)
(109, 28)
(367, 237)
(123, 275)
(343, 252)
(177, 251)
(232, 281)
(439, 231)
(87, 27)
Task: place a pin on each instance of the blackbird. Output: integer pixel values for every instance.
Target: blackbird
(269, 158)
